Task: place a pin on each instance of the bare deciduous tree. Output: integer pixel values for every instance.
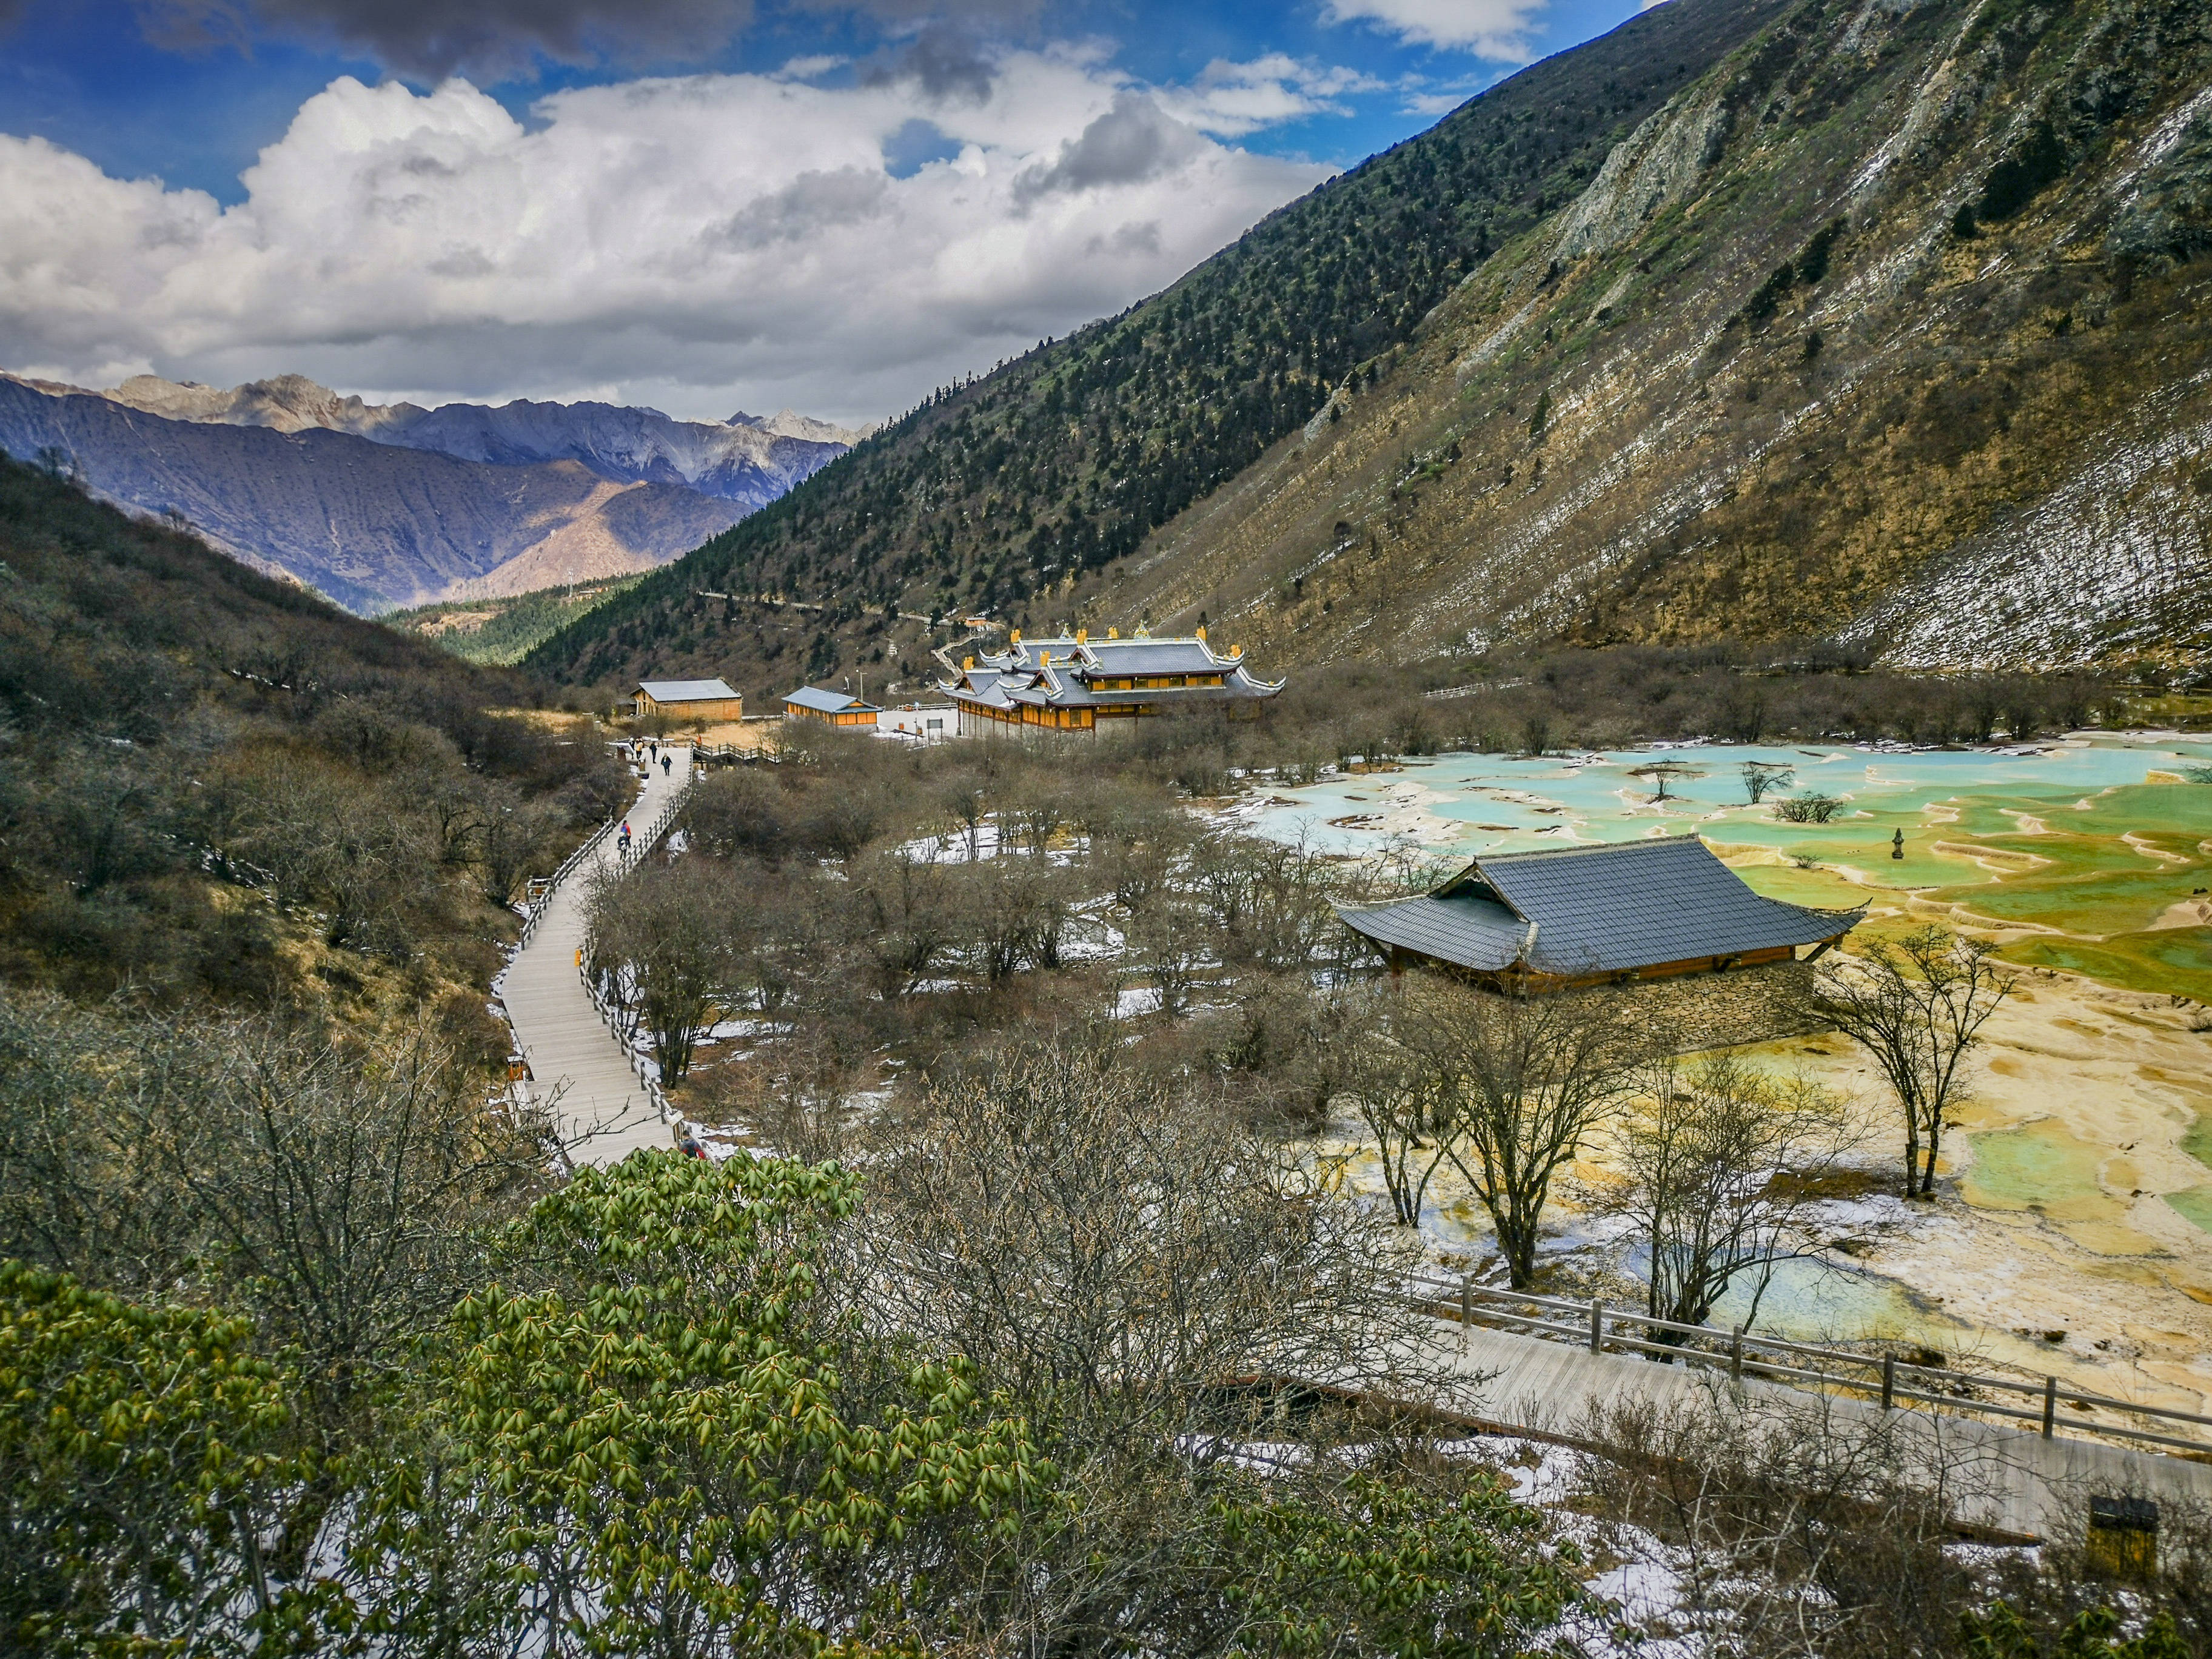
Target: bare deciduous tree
(1112, 1251)
(1410, 1105)
(1171, 947)
(1760, 776)
(1918, 1007)
(1717, 1163)
(1530, 1078)
(655, 940)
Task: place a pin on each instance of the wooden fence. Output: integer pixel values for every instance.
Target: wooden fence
(2050, 1406)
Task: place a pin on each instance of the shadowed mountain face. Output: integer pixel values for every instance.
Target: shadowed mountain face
(379, 505)
(749, 459)
(369, 524)
(1884, 320)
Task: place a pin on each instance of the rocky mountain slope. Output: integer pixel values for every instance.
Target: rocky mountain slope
(749, 459)
(1879, 319)
(379, 506)
(1895, 327)
(1067, 459)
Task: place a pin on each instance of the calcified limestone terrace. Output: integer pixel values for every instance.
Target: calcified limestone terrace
(2078, 1177)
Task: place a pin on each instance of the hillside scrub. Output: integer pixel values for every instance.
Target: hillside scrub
(217, 786)
(954, 1397)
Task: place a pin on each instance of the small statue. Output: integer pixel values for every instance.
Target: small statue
(1897, 845)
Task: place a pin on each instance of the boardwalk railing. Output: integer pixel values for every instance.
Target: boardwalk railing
(640, 845)
(535, 908)
(1884, 1376)
(625, 859)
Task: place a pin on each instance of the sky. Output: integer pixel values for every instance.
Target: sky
(704, 206)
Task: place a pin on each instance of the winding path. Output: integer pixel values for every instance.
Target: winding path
(605, 1110)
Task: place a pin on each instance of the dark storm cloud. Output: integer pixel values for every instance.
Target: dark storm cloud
(947, 61)
(491, 39)
(1134, 141)
(497, 40)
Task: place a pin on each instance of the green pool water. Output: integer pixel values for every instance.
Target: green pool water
(2198, 1143)
(2070, 840)
(2037, 1166)
(2194, 1205)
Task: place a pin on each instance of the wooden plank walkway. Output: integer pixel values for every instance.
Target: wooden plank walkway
(1998, 1477)
(576, 1065)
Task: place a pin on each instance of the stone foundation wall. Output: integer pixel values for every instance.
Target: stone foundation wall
(1715, 1010)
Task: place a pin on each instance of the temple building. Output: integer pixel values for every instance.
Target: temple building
(1076, 683)
(1570, 916)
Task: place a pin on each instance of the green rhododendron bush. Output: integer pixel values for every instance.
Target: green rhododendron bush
(667, 1420)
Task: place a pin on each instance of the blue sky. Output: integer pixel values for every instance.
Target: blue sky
(638, 199)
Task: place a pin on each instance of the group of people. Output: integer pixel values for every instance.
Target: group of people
(652, 746)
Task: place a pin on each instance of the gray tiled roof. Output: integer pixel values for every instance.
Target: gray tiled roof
(1152, 656)
(1025, 654)
(1601, 909)
(1020, 675)
(826, 702)
(685, 690)
(1473, 932)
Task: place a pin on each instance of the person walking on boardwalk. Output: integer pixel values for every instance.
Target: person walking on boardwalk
(667, 761)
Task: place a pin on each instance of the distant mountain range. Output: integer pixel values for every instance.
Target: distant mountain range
(384, 505)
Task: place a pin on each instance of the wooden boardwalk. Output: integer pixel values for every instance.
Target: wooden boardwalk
(1998, 1477)
(576, 1065)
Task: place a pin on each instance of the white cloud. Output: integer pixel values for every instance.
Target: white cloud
(1435, 103)
(1231, 100)
(1495, 29)
(810, 69)
(699, 244)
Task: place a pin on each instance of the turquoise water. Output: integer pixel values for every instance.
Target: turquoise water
(1812, 1299)
(1493, 802)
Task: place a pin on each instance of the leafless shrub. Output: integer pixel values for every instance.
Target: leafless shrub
(1807, 808)
(1794, 1527)
(1118, 1253)
(1918, 1007)
(1716, 1165)
(1523, 1082)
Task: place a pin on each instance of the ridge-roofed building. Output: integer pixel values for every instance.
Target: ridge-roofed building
(710, 700)
(830, 708)
(1073, 682)
(1570, 916)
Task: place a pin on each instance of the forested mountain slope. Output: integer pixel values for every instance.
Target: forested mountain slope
(218, 787)
(1898, 326)
(1067, 459)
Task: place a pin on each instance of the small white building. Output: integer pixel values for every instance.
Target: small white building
(918, 722)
